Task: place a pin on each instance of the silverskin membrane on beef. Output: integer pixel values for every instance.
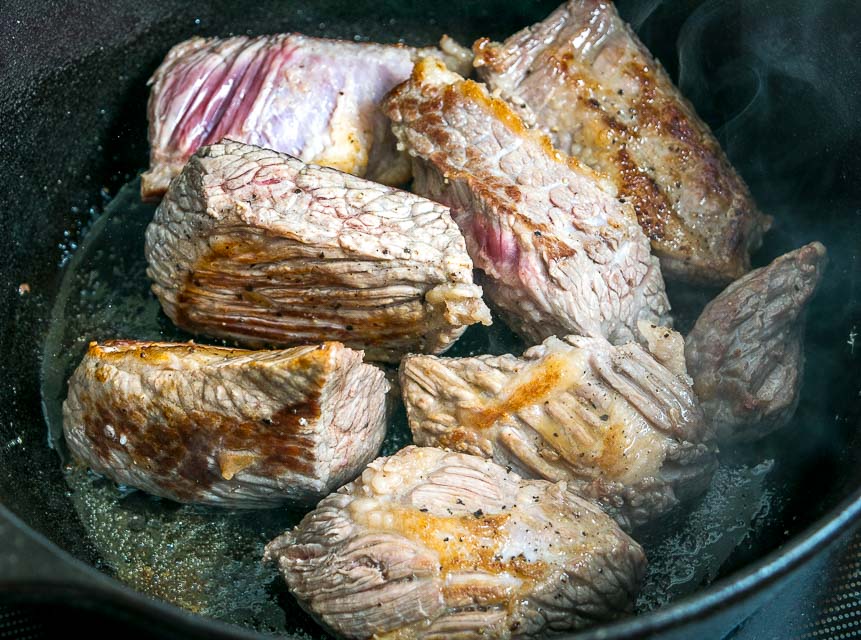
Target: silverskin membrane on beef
(225, 427)
(561, 254)
(430, 545)
(584, 77)
(259, 247)
(314, 98)
(746, 350)
(620, 424)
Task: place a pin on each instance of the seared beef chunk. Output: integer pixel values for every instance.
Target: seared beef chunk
(619, 425)
(562, 254)
(430, 544)
(746, 351)
(583, 76)
(259, 247)
(226, 427)
(312, 98)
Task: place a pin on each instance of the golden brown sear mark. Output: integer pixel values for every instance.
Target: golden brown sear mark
(469, 542)
(259, 319)
(541, 381)
(178, 445)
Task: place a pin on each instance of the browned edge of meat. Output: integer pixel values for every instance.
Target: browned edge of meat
(222, 426)
(583, 76)
(746, 350)
(259, 247)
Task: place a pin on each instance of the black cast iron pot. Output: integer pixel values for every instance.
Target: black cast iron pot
(777, 80)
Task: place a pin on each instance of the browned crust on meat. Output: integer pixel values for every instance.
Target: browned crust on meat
(425, 119)
(263, 322)
(669, 235)
(179, 446)
(658, 111)
(116, 351)
(513, 196)
(612, 459)
(477, 545)
(541, 383)
(460, 439)
(231, 258)
(438, 99)
(536, 384)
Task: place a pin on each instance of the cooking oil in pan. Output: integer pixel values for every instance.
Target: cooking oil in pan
(208, 560)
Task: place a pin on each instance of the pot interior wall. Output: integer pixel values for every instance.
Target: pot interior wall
(779, 87)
